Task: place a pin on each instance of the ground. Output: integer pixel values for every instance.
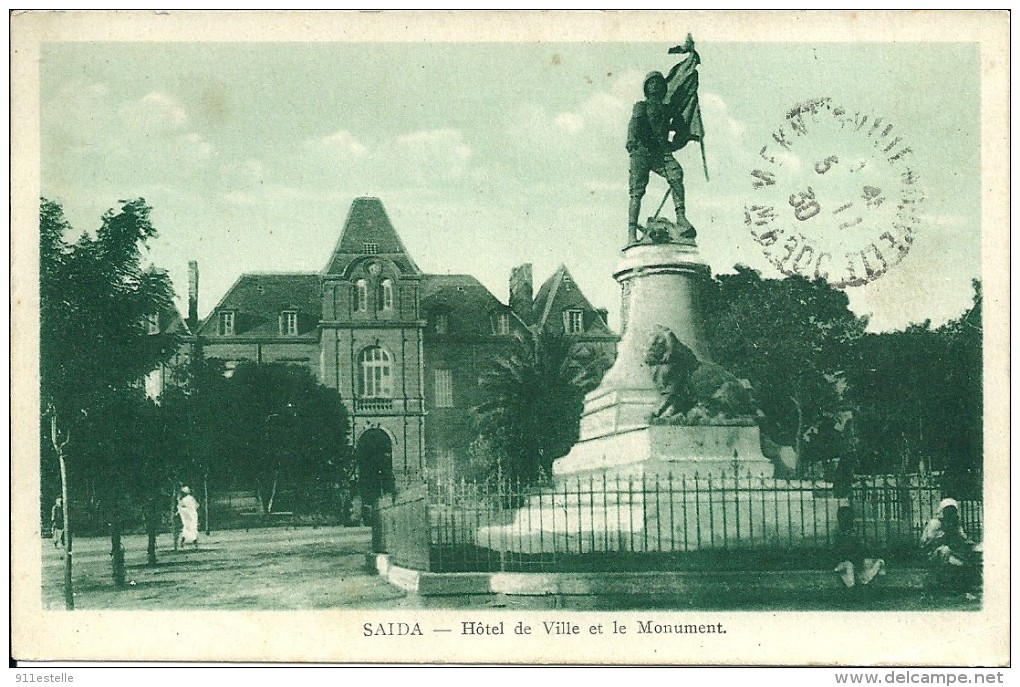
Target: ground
(266, 569)
(309, 568)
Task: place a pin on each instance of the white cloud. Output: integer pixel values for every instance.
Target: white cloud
(570, 122)
(445, 141)
(156, 112)
(434, 152)
(168, 105)
(196, 146)
(715, 110)
(241, 198)
(343, 142)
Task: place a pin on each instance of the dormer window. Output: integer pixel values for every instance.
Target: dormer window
(288, 323)
(227, 323)
(152, 323)
(501, 324)
(573, 321)
(568, 283)
(384, 296)
(442, 323)
(361, 295)
(371, 247)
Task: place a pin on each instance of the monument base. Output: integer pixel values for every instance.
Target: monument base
(677, 450)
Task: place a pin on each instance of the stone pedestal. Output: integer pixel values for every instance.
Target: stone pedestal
(663, 450)
(631, 484)
(663, 285)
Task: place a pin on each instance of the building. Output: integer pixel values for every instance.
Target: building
(170, 322)
(405, 349)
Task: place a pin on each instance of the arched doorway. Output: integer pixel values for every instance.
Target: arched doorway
(375, 466)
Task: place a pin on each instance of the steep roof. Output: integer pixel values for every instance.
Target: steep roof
(465, 300)
(368, 224)
(560, 292)
(171, 322)
(259, 298)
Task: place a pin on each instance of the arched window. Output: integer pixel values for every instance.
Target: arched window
(384, 295)
(361, 295)
(375, 373)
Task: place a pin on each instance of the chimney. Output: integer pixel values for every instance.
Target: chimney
(193, 295)
(521, 297)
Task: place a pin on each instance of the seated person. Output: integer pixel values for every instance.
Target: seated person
(944, 541)
(853, 568)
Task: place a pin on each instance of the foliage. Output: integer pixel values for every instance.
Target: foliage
(96, 297)
(534, 398)
(887, 402)
(918, 394)
(268, 427)
(791, 339)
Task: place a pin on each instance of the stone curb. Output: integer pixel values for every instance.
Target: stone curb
(606, 584)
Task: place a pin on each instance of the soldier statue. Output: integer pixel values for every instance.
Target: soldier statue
(665, 121)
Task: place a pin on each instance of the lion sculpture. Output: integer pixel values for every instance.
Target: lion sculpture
(695, 392)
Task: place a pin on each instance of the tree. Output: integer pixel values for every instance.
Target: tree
(269, 427)
(95, 300)
(791, 339)
(918, 394)
(534, 399)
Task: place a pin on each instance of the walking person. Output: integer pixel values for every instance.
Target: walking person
(187, 508)
(57, 522)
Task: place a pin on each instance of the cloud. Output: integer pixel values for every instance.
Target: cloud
(156, 112)
(344, 143)
(570, 122)
(427, 153)
(355, 162)
(448, 142)
(715, 110)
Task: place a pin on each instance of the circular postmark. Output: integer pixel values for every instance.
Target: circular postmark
(835, 194)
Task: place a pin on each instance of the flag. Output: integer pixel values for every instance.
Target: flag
(681, 101)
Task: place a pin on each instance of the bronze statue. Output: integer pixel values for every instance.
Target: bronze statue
(695, 392)
(665, 121)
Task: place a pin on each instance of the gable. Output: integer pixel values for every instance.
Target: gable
(561, 293)
(368, 231)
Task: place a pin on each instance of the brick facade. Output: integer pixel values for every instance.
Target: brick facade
(406, 350)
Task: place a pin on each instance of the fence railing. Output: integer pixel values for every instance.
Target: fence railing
(657, 522)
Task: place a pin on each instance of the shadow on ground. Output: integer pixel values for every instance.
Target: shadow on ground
(325, 568)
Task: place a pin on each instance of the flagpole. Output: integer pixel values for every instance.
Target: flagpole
(704, 163)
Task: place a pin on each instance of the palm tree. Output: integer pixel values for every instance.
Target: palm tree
(534, 400)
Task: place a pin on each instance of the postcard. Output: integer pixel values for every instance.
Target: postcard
(673, 338)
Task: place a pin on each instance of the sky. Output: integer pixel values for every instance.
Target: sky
(487, 156)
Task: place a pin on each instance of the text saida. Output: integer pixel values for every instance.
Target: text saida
(391, 630)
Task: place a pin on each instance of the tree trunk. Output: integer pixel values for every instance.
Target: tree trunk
(68, 539)
(797, 438)
(205, 499)
(151, 528)
(117, 551)
(272, 495)
(173, 519)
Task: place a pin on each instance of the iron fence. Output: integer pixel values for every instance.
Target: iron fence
(655, 522)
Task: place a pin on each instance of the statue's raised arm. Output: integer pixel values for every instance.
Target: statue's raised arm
(682, 97)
